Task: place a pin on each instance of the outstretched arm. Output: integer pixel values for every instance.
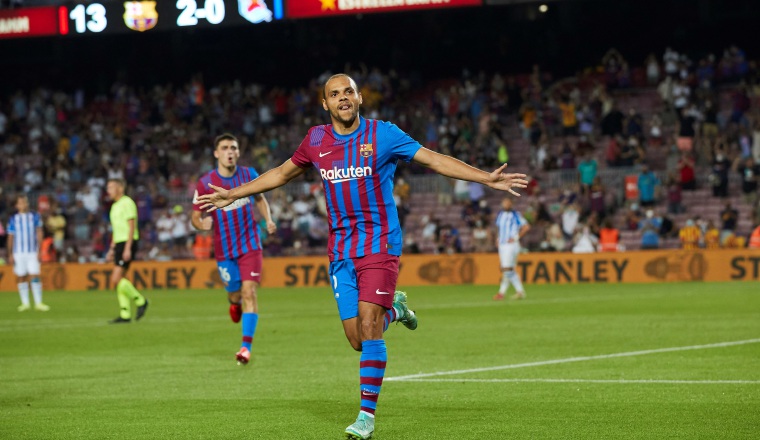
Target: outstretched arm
(272, 179)
(448, 166)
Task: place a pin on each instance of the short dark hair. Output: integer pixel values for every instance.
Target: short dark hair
(225, 137)
(324, 86)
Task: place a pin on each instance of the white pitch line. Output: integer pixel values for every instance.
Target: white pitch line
(618, 381)
(573, 359)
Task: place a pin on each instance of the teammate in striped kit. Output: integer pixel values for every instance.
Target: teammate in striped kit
(511, 226)
(356, 159)
(237, 245)
(24, 239)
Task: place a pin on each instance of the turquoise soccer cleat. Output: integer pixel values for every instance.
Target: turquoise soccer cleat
(362, 429)
(408, 318)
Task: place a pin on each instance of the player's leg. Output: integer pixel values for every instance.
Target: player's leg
(343, 277)
(125, 306)
(249, 273)
(376, 281)
(236, 306)
(22, 280)
(36, 284)
(504, 263)
(511, 273)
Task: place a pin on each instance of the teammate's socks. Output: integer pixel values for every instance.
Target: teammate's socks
(249, 322)
(371, 372)
(130, 291)
(37, 290)
(23, 293)
(390, 316)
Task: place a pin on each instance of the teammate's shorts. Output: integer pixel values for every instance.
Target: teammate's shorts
(246, 267)
(26, 263)
(508, 254)
(118, 251)
(370, 279)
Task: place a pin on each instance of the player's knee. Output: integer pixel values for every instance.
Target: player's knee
(35, 279)
(356, 344)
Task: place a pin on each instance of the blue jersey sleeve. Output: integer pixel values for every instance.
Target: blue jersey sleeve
(402, 145)
(254, 173)
(11, 227)
(37, 220)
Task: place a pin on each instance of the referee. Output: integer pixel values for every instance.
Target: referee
(123, 217)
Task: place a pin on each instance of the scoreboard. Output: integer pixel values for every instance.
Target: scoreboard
(114, 17)
(88, 17)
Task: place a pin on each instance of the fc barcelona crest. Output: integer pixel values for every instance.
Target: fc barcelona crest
(140, 16)
(366, 150)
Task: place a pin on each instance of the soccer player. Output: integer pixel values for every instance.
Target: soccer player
(123, 216)
(24, 239)
(356, 159)
(511, 226)
(237, 244)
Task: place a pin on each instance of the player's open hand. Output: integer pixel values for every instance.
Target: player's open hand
(213, 201)
(505, 182)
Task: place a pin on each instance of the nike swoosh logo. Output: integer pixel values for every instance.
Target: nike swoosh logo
(381, 293)
(255, 274)
(325, 154)
(364, 393)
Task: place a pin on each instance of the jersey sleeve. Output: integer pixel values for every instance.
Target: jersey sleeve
(130, 210)
(11, 229)
(301, 156)
(37, 220)
(402, 145)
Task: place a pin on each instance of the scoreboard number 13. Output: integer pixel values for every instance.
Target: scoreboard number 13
(90, 18)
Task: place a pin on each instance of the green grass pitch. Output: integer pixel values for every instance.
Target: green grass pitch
(656, 361)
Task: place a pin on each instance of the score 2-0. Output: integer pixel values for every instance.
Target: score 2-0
(212, 11)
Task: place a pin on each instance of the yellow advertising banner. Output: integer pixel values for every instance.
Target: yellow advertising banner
(425, 270)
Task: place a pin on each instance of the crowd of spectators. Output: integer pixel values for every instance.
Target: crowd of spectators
(61, 147)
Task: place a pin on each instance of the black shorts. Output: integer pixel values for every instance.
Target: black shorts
(118, 251)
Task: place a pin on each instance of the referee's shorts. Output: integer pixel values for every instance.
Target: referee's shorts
(118, 252)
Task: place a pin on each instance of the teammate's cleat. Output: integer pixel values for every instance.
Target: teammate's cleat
(236, 312)
(408, 318)
(119, 320)
(519, 295)
(23, 307)
(498, 297)
(141, 310)
(41, 307)
(243, 356)
(362, 429)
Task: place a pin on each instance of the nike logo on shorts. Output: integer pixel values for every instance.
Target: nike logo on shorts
(381, 293)
(255, 274)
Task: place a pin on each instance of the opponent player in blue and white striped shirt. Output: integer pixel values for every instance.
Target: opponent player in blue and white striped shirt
(511, 226)
(24, 240)
(356, 159)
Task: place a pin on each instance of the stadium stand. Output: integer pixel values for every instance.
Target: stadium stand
(61, 147)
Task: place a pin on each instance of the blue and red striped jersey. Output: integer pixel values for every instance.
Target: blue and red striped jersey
(235, 228)
(357, 175)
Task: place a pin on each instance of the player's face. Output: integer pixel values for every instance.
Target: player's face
(506, 204)
(114, 190)
(342, 100)
(22, 204)
(228, 153)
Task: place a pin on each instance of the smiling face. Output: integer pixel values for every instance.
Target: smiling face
(342, 99)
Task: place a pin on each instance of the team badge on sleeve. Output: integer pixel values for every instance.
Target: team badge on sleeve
(366, 150)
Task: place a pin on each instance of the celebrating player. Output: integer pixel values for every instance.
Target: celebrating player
(237, 245)
(511, 226)
(123, 216)
(25, 237)
(356, 158)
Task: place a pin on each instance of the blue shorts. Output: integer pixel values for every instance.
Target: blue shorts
(370, 279)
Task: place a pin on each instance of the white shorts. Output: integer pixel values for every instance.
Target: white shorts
(508, 254)
(26, 263)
